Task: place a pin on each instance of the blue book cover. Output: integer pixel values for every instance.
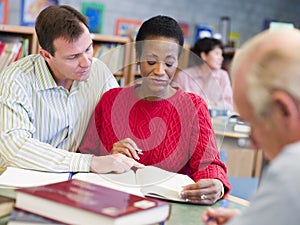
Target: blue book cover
(19, 216)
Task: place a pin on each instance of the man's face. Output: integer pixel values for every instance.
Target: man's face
(71, 60)
(271, 54)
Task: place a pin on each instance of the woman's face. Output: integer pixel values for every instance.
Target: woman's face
(158, 63)
(214, 58)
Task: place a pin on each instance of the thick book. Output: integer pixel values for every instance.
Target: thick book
(148, 181)
(79, 202)
(6, 205)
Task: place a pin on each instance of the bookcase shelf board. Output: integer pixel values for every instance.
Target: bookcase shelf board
(22, 31)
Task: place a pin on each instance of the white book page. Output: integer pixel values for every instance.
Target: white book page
(161, 183)
(16, 178)
(127, 178)
(151, 175)
(144, 180)
(114, 181)
(162, 193)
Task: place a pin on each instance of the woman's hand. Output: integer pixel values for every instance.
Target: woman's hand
(126, 147)
(205, 191)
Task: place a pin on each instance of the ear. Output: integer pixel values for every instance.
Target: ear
(45, 54)
(203, 56)
(286, 109)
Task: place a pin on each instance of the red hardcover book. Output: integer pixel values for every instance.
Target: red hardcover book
(80, 202)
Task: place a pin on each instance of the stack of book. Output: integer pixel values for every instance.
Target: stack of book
(6, 205)
(79, 202)
(21, 217)
(54, 198)
(89, 198)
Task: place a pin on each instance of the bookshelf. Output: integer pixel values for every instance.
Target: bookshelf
(115, 52)
(16, 42)
(24, 32)
(117, 59)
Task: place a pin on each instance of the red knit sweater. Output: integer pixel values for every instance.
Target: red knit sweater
(175, 133)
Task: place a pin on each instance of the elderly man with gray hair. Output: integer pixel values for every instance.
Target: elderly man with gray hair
(266, 81)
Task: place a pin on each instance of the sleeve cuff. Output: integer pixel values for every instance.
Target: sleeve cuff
(222, 189)
(222, 192)
(80, 162)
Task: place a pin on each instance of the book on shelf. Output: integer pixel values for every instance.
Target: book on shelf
(22, 217)
(12, 48)
(10, 53)
(231, 123)
(112, 54)
(6, 205)
(241, 127)
(2, 47)
(237, 123)
(13, 51)
(25, 47)
(79, 202)
(148, 181)
(213, 112)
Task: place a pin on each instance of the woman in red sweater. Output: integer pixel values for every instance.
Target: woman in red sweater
(171, 127)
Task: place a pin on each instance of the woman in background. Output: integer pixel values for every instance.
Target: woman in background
(207, 79)
(171, 126)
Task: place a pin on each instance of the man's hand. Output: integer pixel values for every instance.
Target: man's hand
(218, 216)
(117, 163)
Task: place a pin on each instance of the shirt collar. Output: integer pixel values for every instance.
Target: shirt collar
(44, 79)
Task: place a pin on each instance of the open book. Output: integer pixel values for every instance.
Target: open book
(148, 181)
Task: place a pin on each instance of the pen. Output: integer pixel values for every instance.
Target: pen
(70, 175)
(224, 204)
(139, 151)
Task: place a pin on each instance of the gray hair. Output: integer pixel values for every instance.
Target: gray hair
(277, 70)
(270, 61)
